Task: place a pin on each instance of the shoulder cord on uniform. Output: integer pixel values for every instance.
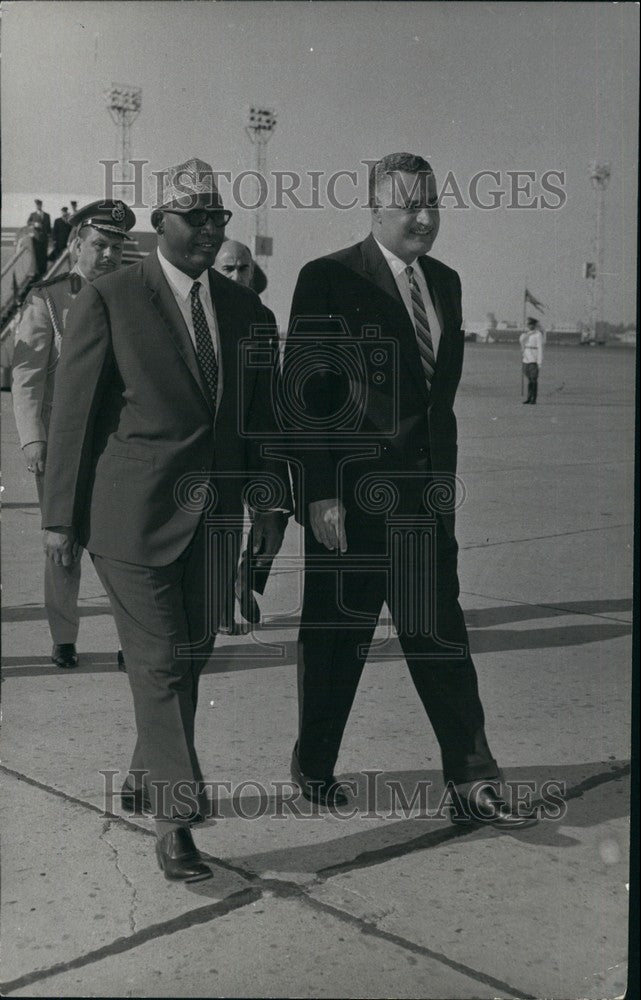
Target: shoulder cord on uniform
(54, 321)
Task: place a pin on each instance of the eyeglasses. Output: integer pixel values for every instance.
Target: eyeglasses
(198, 217)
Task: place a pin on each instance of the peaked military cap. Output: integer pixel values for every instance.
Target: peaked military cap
(112, 217)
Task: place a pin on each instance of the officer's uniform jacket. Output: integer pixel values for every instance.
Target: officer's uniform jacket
(37, 348)
(532, 347)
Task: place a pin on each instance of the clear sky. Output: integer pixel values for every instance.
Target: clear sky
(494, 86)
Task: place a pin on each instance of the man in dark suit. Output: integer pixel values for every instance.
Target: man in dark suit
(372, 363)
(41, 221)
(61, 230)
(152, 451)
(235, 261)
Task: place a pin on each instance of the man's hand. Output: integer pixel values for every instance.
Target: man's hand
(35, 453)
(267, 534)
(61, 546)
(327, 518)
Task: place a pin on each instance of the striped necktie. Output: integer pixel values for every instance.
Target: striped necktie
(204, 346)
(423, 334)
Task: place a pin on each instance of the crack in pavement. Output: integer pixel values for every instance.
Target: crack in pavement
(284, 889)
(374, 930)
(73, 799)
(105, 814)
(241, 899)
(542, 538)
(290, 890)
(134, 892)
(200, 915)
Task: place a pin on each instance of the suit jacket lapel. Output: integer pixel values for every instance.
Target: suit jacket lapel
(162, 298)
(231, 329)
(378, 271)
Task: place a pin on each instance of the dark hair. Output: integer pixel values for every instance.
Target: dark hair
(409, 163)
(156, 218)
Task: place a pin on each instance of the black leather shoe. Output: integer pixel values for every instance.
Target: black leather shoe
(485, 806)
(64, 655)
(135, 800)
(121, 661)
(320, 791)
(179, 859)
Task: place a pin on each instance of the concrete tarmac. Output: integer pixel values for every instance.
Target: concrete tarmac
(389, 900)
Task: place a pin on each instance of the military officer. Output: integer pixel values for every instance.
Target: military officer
(41, 222)
(61, 231)
(100, 230)
(531, 341)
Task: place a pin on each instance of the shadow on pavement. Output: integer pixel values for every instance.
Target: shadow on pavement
(255, 653)
(37, 613)
(393, 837)
(482, 617)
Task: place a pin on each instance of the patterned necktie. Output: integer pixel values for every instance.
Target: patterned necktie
(423, 334)
(204, 346)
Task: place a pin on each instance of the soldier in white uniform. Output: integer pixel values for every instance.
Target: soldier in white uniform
(98, 236)
(531, 342)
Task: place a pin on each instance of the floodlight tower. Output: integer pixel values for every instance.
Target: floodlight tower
(124, 103)
(260, 125)
(600, 177)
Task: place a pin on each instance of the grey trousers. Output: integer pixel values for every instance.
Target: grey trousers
(164, 619)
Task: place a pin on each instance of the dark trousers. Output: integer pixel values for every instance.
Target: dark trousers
(40, 250)
(161, 611)
(413, 568)
(531, 370)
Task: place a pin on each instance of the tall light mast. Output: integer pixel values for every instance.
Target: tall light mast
(260, 126)
(123, 104)
(600, 177)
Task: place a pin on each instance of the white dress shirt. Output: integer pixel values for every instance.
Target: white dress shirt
(180, 284)
(397, 267)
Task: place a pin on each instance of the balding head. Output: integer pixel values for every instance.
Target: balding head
(235, 261)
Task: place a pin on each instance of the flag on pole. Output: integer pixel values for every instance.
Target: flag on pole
(533, 302)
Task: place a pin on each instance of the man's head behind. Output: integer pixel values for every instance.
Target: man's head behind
(235, 261)
(404, 203)
(97, 253)
(100, 230)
